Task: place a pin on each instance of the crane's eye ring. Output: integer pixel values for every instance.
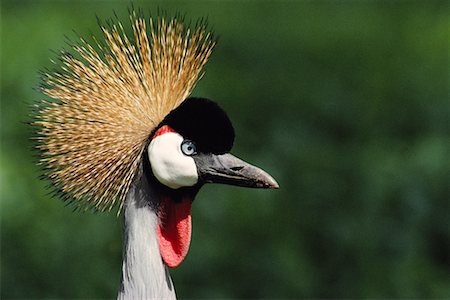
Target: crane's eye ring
(188, 148)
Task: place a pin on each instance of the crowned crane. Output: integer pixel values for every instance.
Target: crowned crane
(119, 130)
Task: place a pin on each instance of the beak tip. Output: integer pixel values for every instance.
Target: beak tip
(274, 185)
(270, 182)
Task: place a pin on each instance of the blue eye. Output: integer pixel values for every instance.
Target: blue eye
(188, 148)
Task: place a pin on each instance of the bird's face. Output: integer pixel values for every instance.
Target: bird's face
(190, 148)
(172, 158)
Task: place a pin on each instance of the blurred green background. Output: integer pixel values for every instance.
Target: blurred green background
(345, 103)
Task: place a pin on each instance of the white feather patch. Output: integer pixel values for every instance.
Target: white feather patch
(169, 165)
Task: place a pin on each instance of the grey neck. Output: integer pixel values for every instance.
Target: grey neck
(144, 275)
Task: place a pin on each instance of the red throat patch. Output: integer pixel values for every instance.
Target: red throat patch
(174, 231)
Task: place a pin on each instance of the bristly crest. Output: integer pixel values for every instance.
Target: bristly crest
(105, 104)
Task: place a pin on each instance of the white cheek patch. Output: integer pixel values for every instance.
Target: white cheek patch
(169, 165)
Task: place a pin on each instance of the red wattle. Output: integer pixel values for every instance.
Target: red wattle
(174, 231)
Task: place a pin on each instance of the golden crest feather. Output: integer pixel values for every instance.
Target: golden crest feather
(105, 104)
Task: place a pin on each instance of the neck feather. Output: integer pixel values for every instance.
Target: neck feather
(144, 275)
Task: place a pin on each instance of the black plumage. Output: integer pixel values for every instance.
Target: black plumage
(205, 123)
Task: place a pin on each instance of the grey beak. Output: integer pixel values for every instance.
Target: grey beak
(228, 169)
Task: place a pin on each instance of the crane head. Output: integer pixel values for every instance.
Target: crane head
(190, 148)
